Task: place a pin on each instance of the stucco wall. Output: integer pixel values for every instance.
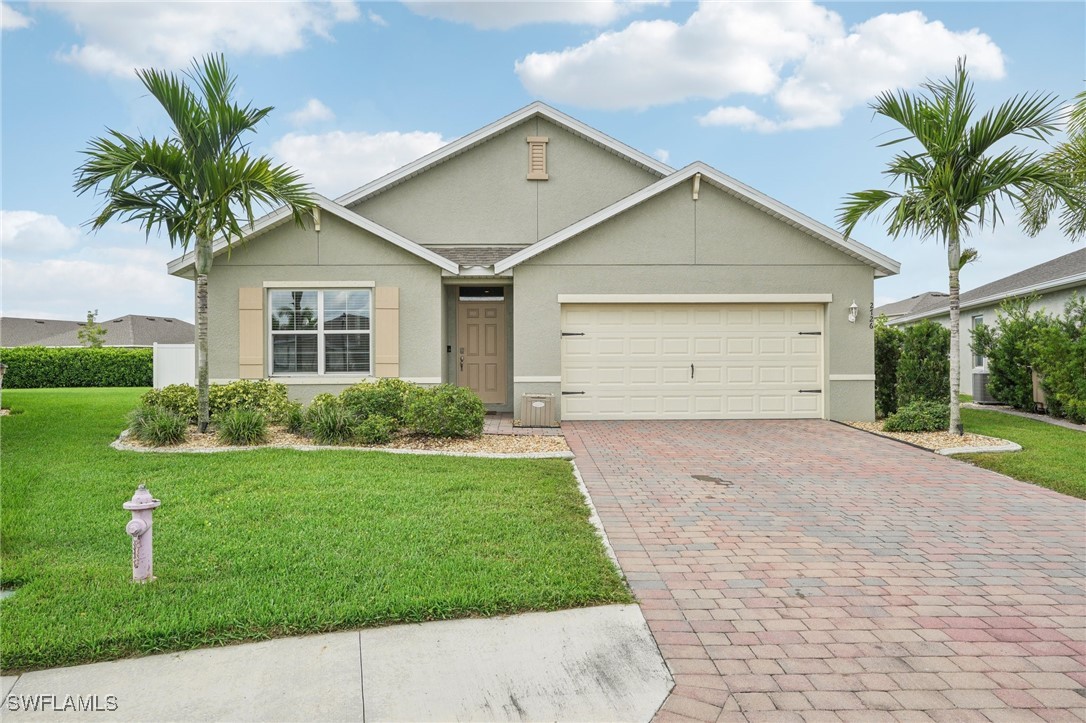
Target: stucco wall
(483, 197)
(716, 245)
(1051, 303)
(339, 252)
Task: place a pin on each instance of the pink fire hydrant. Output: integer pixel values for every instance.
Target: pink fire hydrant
(141, 505)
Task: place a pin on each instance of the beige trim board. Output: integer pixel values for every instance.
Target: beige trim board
(852, 377)
(319, 379)
(537, 380)
(695, 298)
(319, 284)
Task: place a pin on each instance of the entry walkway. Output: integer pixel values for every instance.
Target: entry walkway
(805, 571)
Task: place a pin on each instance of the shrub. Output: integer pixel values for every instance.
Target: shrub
(376, 429)
(33, 367)
(923, 370)
(888, 341)
(1058, 352)
(387, 397)
(329, 422)
(919, 416)
(446, 411)
(1009, 347)
(322, 399)
(294, 420)
(158, 426)
(179, 398)
(241, 425)
(261, 394)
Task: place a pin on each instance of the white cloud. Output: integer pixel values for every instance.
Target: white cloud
(339, 161)
(662, 153)
(799, 55)
(504, 15)
(30, 232)
(120, 36)
(376, 19)
(12, 19)
(312, 112)
(116, 280)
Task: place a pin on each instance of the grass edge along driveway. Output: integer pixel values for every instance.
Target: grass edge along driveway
(261, 544)
(1051, 456)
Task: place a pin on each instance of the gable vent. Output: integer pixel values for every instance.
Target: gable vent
(537, 158)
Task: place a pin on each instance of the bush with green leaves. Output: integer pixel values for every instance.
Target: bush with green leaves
(294, 420)
(157, 425)
(387, 397)
(1058, 352)
(376, 429)
(242, 426)
(888, 341)
(261, 394)
(923, 369)
(39, 367)
(919, 416)
(1009, 347)
(329, 422)
(446, 411)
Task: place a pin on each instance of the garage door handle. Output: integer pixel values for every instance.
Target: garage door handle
(810, 391)
(691, 371)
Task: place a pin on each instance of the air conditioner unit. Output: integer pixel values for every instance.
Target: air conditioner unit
(537, 410)
(980, 388)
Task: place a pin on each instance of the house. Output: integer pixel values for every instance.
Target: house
(131, 330)
(538, 255)
(1052, 282)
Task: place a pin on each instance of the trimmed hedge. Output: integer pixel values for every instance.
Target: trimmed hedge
(923, 370)
(888, 343)
(36, 367)
(921, 415)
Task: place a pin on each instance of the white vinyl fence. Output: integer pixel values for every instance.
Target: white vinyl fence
(174, 364)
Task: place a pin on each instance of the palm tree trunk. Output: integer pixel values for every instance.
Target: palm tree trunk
(203, 265)
(954, 263)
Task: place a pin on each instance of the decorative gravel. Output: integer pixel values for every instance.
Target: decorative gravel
(278, 437)
(936, 441)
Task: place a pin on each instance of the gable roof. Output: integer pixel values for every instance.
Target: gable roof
(883, 265)
(1059, 273)
(460, 145)
(913, 304)
(282, 215)
(128, 330)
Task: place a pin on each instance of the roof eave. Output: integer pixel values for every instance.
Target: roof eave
(1048, 286)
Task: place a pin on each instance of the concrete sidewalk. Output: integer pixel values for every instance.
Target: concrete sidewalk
(590, 664)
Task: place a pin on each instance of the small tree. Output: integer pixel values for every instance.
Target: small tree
(92, 334)
(888, 341)
(1059, 354)
(924, 365)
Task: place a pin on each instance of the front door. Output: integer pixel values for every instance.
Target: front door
(480, 338)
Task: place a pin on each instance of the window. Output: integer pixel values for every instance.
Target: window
(978, 360)
(321, 332)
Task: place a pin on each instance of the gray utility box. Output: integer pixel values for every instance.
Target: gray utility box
(537, 410)
(980, 388)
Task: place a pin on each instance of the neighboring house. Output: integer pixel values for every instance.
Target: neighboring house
(538, 255)
(1053, 283)
(130, 330)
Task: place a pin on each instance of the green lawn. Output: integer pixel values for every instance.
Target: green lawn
(252, 545)
(1051, 456)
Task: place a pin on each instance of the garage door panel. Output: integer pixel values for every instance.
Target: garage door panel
(707, 361)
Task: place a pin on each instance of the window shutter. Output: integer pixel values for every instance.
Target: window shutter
(537, 158)
(251, 333)
(386, 327)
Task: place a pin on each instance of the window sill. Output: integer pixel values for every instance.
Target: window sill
(321, 379)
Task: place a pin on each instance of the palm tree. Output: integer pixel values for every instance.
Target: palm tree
(955, 182)
(198, 184)
(1068, 157)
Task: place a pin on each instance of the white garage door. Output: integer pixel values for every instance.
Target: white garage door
(691, 361)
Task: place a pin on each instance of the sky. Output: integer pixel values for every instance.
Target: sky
(774, 94)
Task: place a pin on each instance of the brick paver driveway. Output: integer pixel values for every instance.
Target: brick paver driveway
(834, 575)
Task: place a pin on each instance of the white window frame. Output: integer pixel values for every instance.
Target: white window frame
(320, 332)
(978, 359)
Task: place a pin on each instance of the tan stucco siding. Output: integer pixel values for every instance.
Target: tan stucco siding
(673, 245)
(339, 253)
(483, 196)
